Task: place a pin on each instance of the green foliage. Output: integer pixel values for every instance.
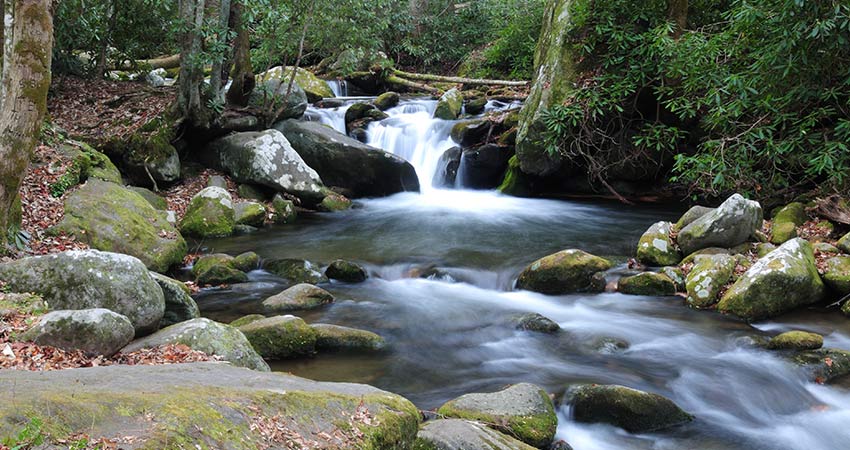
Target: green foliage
(29, 437)
(752, 96)
(511, 55)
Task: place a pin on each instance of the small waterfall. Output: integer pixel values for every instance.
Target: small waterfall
(333, 117)
(339, 87)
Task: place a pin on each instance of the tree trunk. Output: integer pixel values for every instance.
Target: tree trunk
(103, 52)
(678, 13)
(189, 98)
(242, 73)
(26, 69)
(223, 11)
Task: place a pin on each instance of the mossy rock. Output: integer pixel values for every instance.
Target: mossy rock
(792, 213)
(565, 272)
(647, 283)
(159, 203)
(386, 101)
(280, 337)
(334, 202)
(844, 243)
(706, 252)
(837, 274)
(346, 271)
(763, 248)
(300, 297)
(730, 224)
(468, 133)
(206, 262)
(825, 247)
(296, 270)
(247, 261)
(630, 409)
(338, 338)
(179, 305)
(22, 303)
(252, 192)
(536, 322)
(523, 410)
(249, 213)
(677, 275)
(796, 340)
(210, 214)
(515, 183)
(657, 248)
(93, 331)
(824, 364)
(452, 434)
(314, 87)
(148, 153)
(245, 320)
(221, 274)
(450, 105)
(782, 232)
(475, 106)
(692, 214)
(284, 210)
(707, 278)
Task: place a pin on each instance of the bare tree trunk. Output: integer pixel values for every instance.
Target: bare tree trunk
(189, 98)
(8, 25)
(242, 73)
(216, 76)
(103, 53)
(26, 69)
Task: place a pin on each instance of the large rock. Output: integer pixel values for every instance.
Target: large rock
(796, 340)
(786, 221)
(314, 87)
(447, 167)
(647, 283)
(300, 297)
(707, 278)
(206, 336)
(179, 305)
(732, 223)
(94, 331)
(386, 101)
(362, 171)
(210, 214)
(692, 214)
(450, 105)
(112, 218)
(484, 167)
(522, 410)
(206, 405)
(91, 279)
(836, 275)
(346, 271)
(630, 409)
(536, 322)
(266, 158)
(459, 434)
(565, 272)
(296, 271)
(270, 96)
(280, 337)
(657, 248)
(250, 213)
(337, 337)
(784, 279)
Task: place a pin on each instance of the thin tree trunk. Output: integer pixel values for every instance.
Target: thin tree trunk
(276, 113)
(8, 32)
(242, 74)
(189, 99)
(472, 81)
(26, 80)
(216, 76)
(103, 54)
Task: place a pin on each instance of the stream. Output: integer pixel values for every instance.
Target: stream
(451, 333)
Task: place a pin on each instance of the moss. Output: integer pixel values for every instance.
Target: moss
(563, 272)
(515, 182)
(245, 320)
(837, 274)
(647, 283)
(280, 337)
(782, 232)
(796, 340)
(23, 303)
(334, 202)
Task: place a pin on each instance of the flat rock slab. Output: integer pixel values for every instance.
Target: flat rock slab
(455, 434)
(208, 405)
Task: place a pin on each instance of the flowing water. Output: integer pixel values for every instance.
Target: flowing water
(451, 333)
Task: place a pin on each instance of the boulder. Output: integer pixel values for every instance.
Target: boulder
(249, 213)
(677, 275)
(179, 305)
(346, 271)
(336, 337)
(706, 252)
(284, 210)
(786, 221)
(245, 320)
(111, 218)
(252, 192)
(206, 405)
(87, 163)
(206, 336)
(447, 167)
(844, 243)
(280, 337)
(386, 101)
(159, 203)
(470, 132)
(656, 247)
(630, 409)
(824, 364)
(475, 106)
(484, 167)
(210, 214)
(217, 269)
(836, 275)
(565, 272)
(298, 298)
(707, 278)
(536, 322)
(206, 262)
(265, 158)
(270, 97)
(346, 163)
(782, 232)
(359, 115)
(247, 261)
(333, 202)
(763, 248)
(826, 248)
(784, 279)
(86, 279)
(450, 105)
(515, 182)
(732, 223)
(691, 215)
(796, 340)
(295, 271)
(314, 87)
(523, 410)
(94, 331)
(647, 283)
(458, 434)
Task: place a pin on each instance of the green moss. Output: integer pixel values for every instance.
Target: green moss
(245, 320)
(561, 273)
(647, 283)
(23, 303)
(515, 182)
(796, 340)
(280, 337)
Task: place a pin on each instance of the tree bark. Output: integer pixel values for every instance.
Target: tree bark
(26, 69)
(242, 73)
(678, 13)
(189, 98)
(223, 11)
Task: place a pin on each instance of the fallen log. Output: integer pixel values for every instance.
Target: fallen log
(833, 208)
(392, 79)
(442, 79)
(166, 62)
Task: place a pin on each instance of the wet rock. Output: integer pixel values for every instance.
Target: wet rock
(247, 261)
(151, 197)
(346, 271)
(522, 410)
(250, 213)
(515, 182)
(206, 336)
(647, 283)
(823, 365)
(609, 345)
(210, 214)
(450, 105)
(336, 337)
(732, 223)
(334, 202)
(475, 106)
(677, 275)
(458, 434)
(565, 272)
(94, 331)
(656, 247)
(296, 271)
(484, 167)
(796, 340)
(245, 320)
(707, 278)
(284, 210)
(217, 269)
(447, 167)
(783, 280)
(470, 132)
(837, 274)
(280, 337)
(299, 297)
(692, 215)
(386, 101)
(630, 409)
(536, 322)
(179, 305)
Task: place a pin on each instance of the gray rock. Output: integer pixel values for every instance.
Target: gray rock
(94, 331)
(707, 278)
(284, 210)
(691, 215)
(450, 105)
(270, 95)
(630, 409)
(346, 271)
(458, 434)
(302, 296)
(250, 213)
(647, 283)
(732, 223)
(656, 247)
(447, 167)
(179, 305)
(336, 337)
(280, 337)
(217, 181)
(536, 322)
(210, 214)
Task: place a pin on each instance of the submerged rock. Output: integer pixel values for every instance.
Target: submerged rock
(536, 322)
(458, 434)
(522, 410)
(647, 283)
(336, 337)
(783, 280)
(450, 105)
(707, 278)
(656, 247)
(346, 271)
(94, 331)
(630, 409)
(280, 337)
(210, 214)
(796, 340)
(732, 223)
(299, 297)
(565, 272)
(296, 271)
(179, 305)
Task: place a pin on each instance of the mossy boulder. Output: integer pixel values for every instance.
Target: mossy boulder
(454, 434)
(730, 224)
(216, 269)
(245, 320)
(300, 297)
(785, 279)
(179, 305)
(270, 97)
(346, 271)
(475, 106)
(782, 232)
(826, 248)
(86, 163)
(796, 340)
(296, 270)
(657, 248)
(206, 262)
(630, 409)
(692, 214)
(249, 213)
(450, 105)
(763, 248)
(247, 261)
(159, 203)
(284, 210)
(837, 274)
(468, 133)
(515, 182)
(87, 279)
(844, 243)
(112, 218)
(565, 272)
(824, 364)
(706, 252)
(386, 101)
(314, 87)
(536, 322)
(94, 331)
(148, 153)
(676, 274)
(280, 337)
(206, 336)
(335, 338)
(333, 202)
(792, 213)
(523, 410)
(210, 214)
(205, 405)
(707, 278)
(647, 283)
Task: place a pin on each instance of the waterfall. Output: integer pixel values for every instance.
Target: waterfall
(339, 87)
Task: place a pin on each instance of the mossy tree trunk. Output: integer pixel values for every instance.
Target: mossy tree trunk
(26, 69)
(242, 73)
